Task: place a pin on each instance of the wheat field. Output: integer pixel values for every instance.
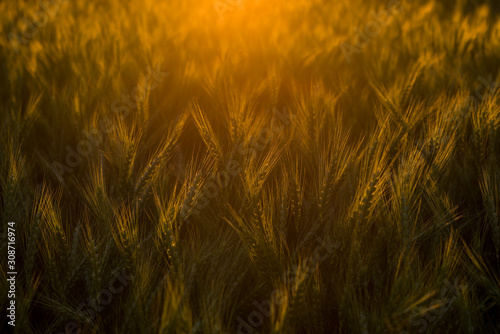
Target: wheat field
(250, 166)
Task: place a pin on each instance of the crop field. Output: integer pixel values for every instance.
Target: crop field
(250, 166)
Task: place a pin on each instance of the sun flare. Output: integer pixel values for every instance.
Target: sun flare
(250, 166)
